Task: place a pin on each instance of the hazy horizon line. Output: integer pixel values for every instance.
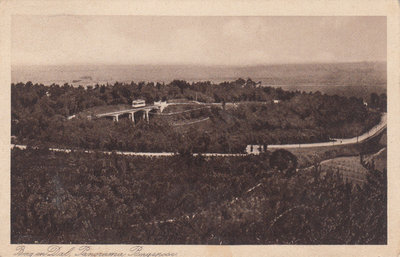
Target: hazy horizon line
(199, 65)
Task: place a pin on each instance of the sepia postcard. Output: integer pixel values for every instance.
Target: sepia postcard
(200, 128)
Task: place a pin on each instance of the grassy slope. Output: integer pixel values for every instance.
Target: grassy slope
(349, 167)
(103, 109)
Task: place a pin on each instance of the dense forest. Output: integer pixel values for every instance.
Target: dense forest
(39, 116)
(98, 198)
(79, 197)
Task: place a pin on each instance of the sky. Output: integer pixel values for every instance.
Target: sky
(237, 40)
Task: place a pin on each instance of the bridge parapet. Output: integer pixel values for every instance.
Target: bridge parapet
(131, 113)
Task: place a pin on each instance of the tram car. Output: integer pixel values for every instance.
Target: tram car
(138, 103)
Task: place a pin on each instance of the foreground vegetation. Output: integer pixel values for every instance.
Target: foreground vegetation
(39, 116)
(97, 198)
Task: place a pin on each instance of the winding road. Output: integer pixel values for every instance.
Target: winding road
(371, 133)
(340, 141)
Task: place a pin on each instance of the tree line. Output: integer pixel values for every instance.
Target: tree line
(39, 116)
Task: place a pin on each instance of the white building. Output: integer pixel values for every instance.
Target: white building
(255, 149)
(161, 104)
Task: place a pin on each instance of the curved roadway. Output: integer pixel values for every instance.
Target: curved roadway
(339, 141)
(372, 132)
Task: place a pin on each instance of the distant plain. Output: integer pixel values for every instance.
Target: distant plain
(347, 79)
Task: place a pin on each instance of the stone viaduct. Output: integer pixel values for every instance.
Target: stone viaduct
(131, 113)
